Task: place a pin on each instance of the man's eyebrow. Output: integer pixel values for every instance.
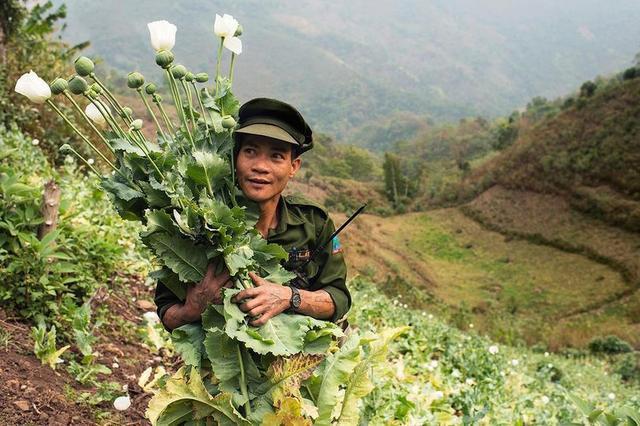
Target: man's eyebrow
(280, 148)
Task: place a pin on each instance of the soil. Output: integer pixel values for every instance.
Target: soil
(34, 394)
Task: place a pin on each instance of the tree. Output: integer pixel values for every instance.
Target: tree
(588, 89)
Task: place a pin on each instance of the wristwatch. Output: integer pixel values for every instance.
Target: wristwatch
(294, 302)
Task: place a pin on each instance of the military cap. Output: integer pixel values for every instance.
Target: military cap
(277, 120)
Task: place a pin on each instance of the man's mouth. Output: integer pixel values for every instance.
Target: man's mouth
(259, 181)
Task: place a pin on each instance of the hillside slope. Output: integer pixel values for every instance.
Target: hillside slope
(588, 154)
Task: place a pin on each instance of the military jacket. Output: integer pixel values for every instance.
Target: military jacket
(303, 226)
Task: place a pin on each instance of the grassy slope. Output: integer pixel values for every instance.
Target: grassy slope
(515, 290)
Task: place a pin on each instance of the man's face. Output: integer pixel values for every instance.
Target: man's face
(264, 166)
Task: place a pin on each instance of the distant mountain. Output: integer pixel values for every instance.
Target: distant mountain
(349, 65)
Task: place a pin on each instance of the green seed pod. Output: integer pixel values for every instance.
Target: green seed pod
(128, 112)
(157, 98)
(178, 71)
(238, 31)
(150, 89)
(96, 88)
(202, 77)
(78, 85)
(92, 94)
(135, 80)
(189, 77)
(59, 85)
(164, 58)
(136, 124)
(84, 66)
(228, 122)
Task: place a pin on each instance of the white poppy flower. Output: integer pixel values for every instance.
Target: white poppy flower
(35, 142)
(91, 161)
(33, 87)
(94, 114)
(162, 34)
(611, 396)
(225, 26)
(544, 400)
(515, 362)
(493, 349)
(234, 44)
(122, 403)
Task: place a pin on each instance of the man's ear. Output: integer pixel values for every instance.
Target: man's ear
(295, 166)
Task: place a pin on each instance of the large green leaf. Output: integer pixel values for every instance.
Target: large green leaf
(359, 384)
(189, 342)
(285, 374)
(187, 390)
(121, 190)
(333, 373)
(208, 165)
(159, 221)
(240, 257)
(182, 256)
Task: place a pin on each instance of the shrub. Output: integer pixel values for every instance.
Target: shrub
(630, 73)
(609, 345)
(628, 367)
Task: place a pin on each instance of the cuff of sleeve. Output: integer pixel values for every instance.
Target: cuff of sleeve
(163, 310)
(340, 302)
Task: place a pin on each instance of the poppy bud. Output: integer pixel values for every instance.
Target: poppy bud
(78, 85)
(59, 85)
(178, 71)
(164, 58)
(84, 66)
(96, 88)
(136, 124)
(238, 31)
(157, 98)
(228, 122)
(128, 112)
(92, 94)
(202, 77)
(189, 77)
(135, 80)
(150, 89)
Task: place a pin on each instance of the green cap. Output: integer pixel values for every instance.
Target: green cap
(277, 120)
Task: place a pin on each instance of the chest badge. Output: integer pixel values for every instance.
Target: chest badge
(299, 255)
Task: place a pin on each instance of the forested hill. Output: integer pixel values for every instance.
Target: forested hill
(589, 154)
(348, 64)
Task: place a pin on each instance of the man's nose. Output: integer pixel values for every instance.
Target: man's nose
(259, 165)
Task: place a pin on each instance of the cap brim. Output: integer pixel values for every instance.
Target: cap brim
(268, 130)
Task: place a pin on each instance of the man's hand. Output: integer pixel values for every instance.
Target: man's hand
(264, 301)
(207, 291)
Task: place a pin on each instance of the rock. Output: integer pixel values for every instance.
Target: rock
(145, 305)
(22, 405)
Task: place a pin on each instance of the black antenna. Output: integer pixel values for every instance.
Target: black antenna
(319, 248)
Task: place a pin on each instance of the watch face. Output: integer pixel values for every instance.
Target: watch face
(295, 300)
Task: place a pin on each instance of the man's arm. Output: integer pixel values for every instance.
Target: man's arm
(266, 300)
(199, 296)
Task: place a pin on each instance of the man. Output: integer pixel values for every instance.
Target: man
(269, 139)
